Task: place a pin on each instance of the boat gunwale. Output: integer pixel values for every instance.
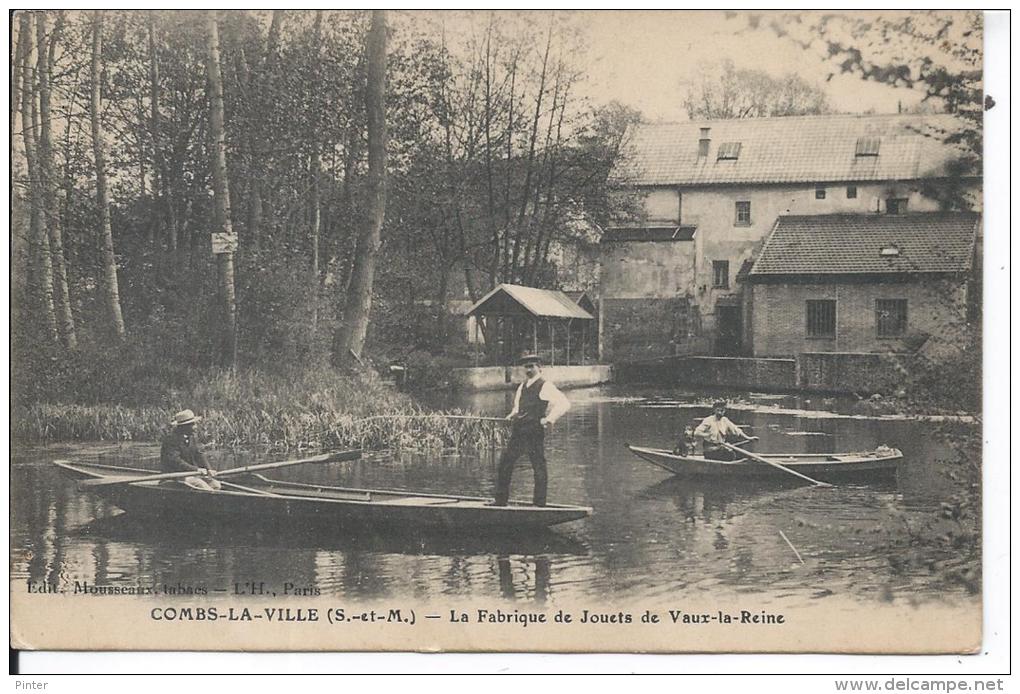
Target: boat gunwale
(782, 458)
(513, 505)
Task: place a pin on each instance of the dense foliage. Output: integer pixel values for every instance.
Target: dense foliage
(492, 161)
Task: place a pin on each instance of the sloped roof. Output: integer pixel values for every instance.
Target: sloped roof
(815, 149)
(853, 244)
(668, 233)
(515, 299)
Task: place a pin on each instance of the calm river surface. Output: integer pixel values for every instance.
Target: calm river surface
(651, 536)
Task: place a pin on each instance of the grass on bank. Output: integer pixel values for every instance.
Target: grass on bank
(290, 409)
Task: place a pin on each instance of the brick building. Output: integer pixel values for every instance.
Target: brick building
(861, 283)
(708, 193)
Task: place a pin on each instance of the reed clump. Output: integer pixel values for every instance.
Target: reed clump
(291, 410)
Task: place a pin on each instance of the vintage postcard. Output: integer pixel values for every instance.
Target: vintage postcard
(580, 331)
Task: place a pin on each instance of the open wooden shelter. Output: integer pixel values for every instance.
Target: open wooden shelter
(528, 319)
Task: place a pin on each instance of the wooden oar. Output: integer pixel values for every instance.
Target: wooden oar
(760, 459)
(323, 458)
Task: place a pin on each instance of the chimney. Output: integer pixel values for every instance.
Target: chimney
(703, 144)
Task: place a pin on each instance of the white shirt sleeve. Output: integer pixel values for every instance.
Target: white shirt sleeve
(517, 401)
(558, 403)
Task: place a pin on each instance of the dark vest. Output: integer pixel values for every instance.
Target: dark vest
(532, 408)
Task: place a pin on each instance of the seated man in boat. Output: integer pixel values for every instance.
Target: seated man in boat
(180, 452)
(717, 429)
(538, 403)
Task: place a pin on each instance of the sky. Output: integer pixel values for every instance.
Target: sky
(645, 58)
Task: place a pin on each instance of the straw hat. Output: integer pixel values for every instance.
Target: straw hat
(530, 358)
(184, 417)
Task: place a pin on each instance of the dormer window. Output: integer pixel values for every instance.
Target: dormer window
(890, 251)
(729, 151)
(868, 146)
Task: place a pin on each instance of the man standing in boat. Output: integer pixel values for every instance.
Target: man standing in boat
(717, 429)
(538, 403)
(180, 452)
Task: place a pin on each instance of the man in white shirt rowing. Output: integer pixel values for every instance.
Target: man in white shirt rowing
(716, 429)
(538, 403)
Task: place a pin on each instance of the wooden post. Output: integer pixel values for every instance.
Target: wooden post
(552, 344)
(475, 346)
(570, 322)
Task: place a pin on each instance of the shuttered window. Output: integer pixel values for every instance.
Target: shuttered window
(721, 274)
(896, 205)
(821, 318)
(891, 317)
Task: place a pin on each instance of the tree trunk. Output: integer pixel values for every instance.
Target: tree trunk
(20, 233)
(221, 196)
(62, 297)
(102, 195)
(41, 284)
(166, 202)
(350, 334)
(316, 167)
(16, 86)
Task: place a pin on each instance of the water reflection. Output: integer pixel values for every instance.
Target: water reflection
(651, 535)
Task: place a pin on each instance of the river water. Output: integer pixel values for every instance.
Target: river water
(651, 535)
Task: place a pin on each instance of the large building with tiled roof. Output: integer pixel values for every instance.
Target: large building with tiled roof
(673, 276)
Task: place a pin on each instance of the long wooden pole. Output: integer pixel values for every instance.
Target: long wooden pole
(323, 458)
(760, 459)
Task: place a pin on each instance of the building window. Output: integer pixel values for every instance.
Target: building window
(821, 318)
(743, 218)
(895, 205)
(819, 192)
(868, 146)
(891, 317)
(721, 274)
(851, 192)
(729, 150)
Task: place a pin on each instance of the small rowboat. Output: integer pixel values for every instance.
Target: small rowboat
(882, 461)
(255, 497)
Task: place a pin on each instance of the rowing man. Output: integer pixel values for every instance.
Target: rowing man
(538, 403)
(715, 430)
(180, 452)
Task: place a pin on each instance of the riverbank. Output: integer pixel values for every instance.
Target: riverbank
(287, 409)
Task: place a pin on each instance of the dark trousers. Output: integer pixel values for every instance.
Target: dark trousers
(525, 438)
(720, 453)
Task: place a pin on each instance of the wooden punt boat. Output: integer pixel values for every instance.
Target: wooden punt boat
(822, 466)
(256, 498)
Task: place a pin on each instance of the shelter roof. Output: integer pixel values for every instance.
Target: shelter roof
(516, 300)
(932, 242)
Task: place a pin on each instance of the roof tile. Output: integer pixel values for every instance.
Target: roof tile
(852, 244)
(790, 149)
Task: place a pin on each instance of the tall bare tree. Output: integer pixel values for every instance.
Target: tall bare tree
(40, 260)
(221, 196)
(162, 170)
(316, 166)
(48, 182)
(102, 194)
(349, 338)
